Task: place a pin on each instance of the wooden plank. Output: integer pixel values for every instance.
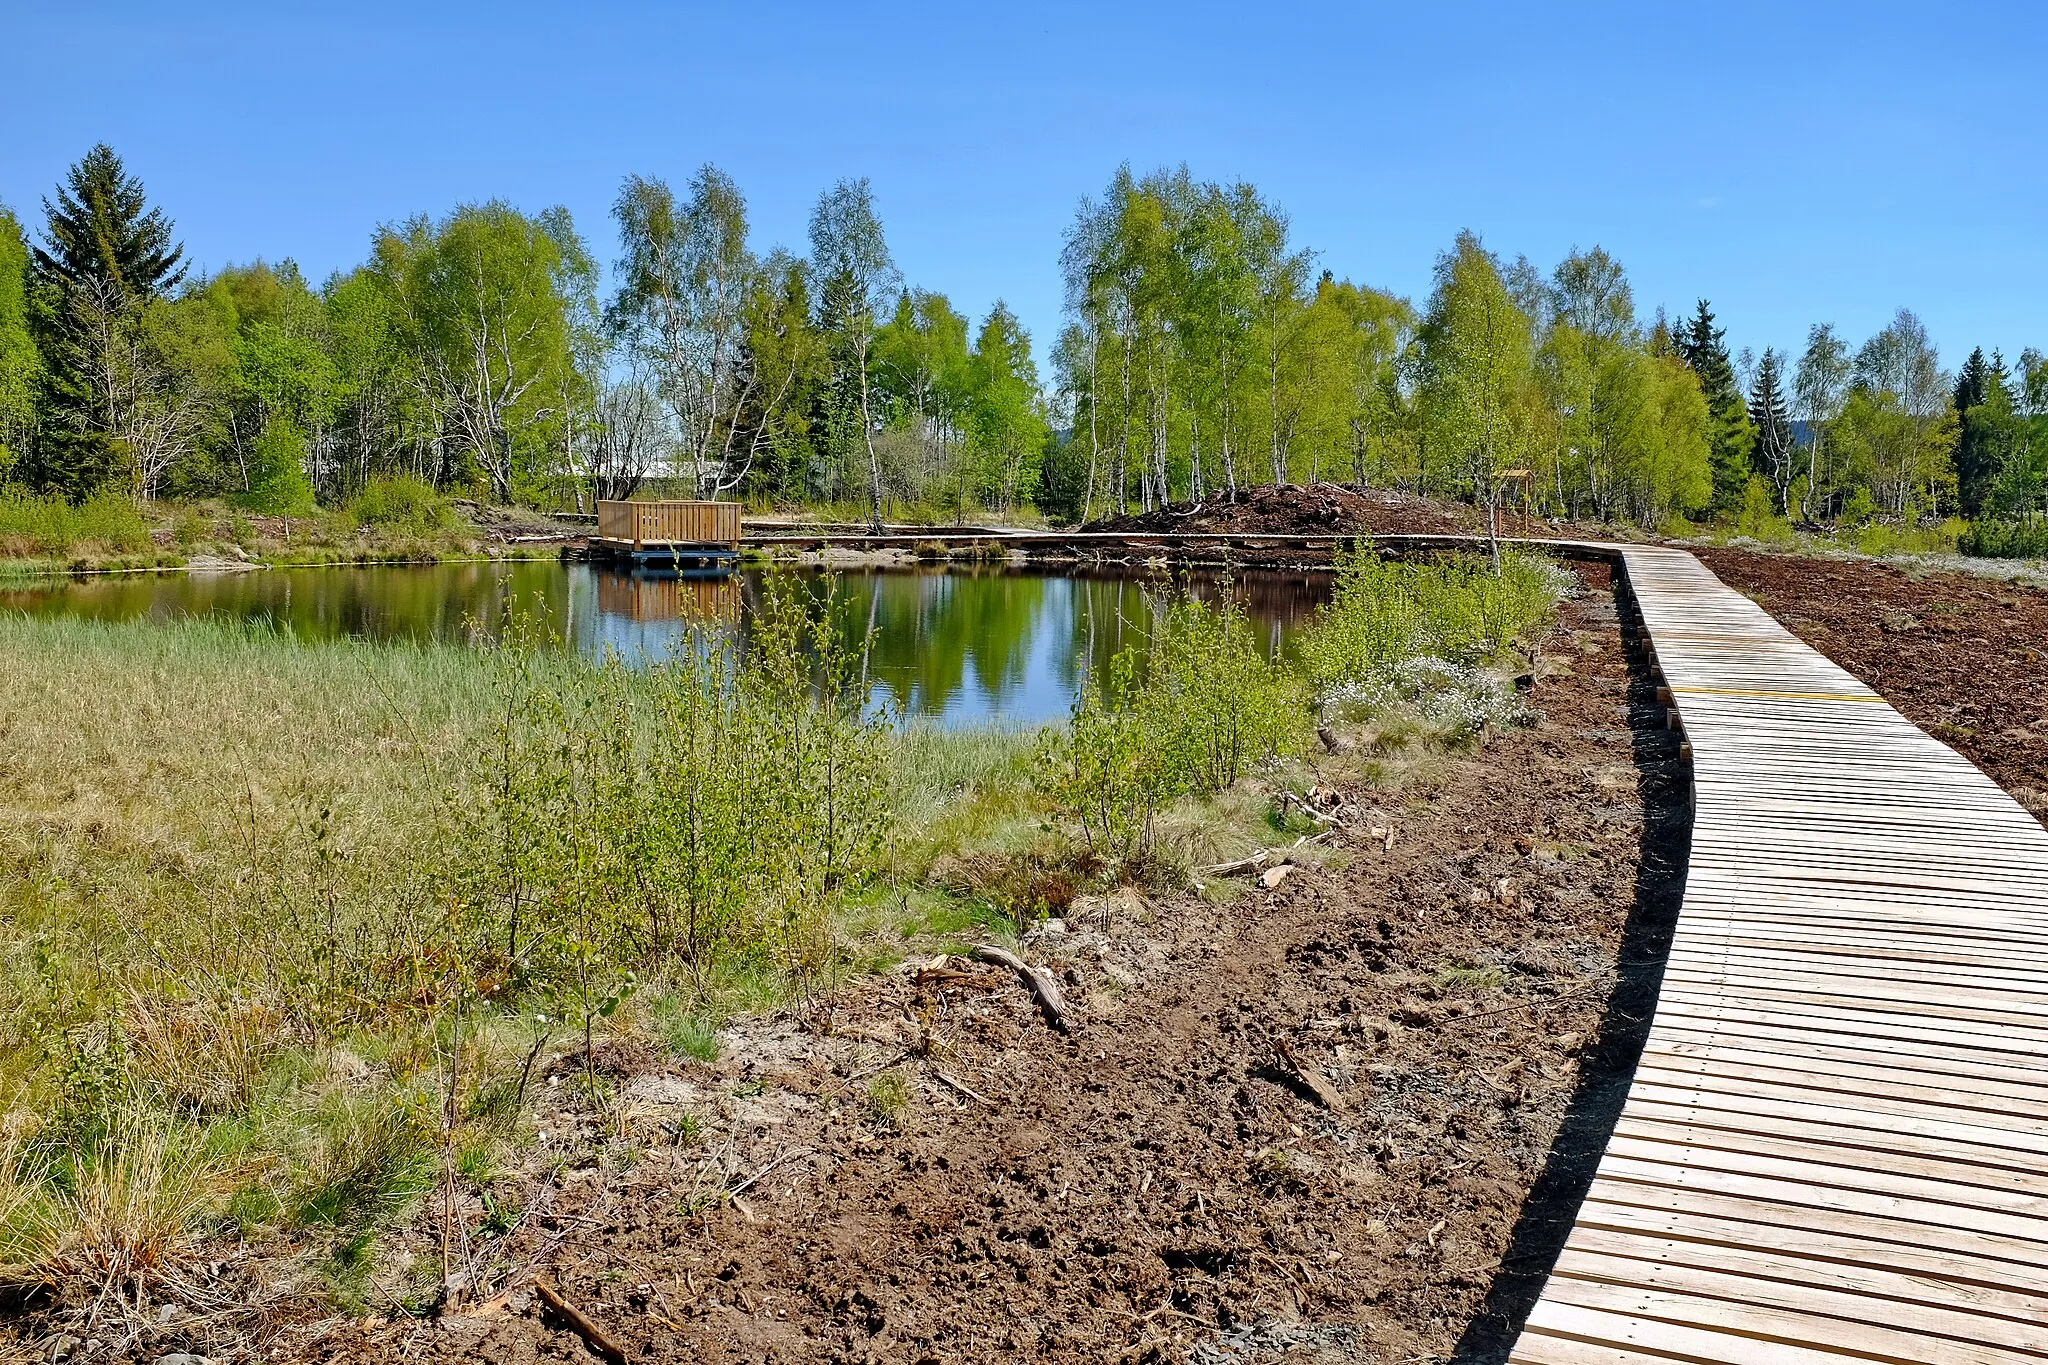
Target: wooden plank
(1836, 1143)
(1969, 1313)
(1688, 1325)
(1970, 1262)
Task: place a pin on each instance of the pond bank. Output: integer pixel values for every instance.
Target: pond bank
(1319, 1117)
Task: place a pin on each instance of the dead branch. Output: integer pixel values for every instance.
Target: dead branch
(956, 1085)
(1265, 855)
(1036, 980)
(751, 1180)
(592, 1334)
(1310, 1078)
(1320, 817)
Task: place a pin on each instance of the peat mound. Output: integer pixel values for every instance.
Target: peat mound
(1294, 509)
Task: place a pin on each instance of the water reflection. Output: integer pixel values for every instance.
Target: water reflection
(959, 646)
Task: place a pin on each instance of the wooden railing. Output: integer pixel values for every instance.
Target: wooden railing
(669, 523)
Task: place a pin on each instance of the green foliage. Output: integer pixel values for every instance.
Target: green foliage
(100, 229)
(484, 299)
(33, 524)
(1104, 772)
(1704, 349)
(1202, 355)
(714, 806)
(1475, 369)
(277, 481)
(20, 363)
(2006, 539)
(1219, 703)
(108, 262)
(1188, 714)
(1757, 517)
(401, 502)
(1385, 612)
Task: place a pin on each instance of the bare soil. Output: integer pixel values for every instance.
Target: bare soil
(1316, 509)
(1964, 658)
(1344, 1118)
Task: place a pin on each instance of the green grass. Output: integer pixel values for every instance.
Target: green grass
(393, 521)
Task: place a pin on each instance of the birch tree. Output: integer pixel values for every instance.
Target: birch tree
(1475, 369)
(855, 280)
(1818, 383)
(685, 279)
(481, 303)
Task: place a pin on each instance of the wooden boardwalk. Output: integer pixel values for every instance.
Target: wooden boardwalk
(1836, 1146)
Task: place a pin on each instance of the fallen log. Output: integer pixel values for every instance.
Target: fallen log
(1036, 980)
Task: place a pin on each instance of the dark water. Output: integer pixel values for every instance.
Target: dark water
(957, 645)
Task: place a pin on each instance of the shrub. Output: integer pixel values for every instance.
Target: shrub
(1188, 716)
(278, 483)
(1461, 611)
(1104, 772)
(715, 806)
(400, 502)
(1758, 516)
(1218, 704)
(39, 524)
(1908, 537)
(2026, 539)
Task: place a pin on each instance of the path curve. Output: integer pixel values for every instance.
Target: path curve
(1836, 1145)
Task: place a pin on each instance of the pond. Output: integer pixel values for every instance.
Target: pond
(958, 646)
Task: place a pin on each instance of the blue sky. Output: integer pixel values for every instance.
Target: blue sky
(1791, 163)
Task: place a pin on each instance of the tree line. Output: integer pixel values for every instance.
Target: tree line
(473, 351)
(1204, 351)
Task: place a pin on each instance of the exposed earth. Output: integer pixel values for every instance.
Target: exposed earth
(1345, 1117)
(1315, 509)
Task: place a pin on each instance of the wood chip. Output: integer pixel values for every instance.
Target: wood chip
(1273, 876)
(1310, 1078)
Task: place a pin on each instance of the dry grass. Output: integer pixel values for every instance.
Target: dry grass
(120, 1222)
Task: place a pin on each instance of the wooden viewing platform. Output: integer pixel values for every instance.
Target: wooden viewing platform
(678, 534)
(1836, 1145)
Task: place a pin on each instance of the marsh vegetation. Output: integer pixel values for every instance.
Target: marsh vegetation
(295, 929)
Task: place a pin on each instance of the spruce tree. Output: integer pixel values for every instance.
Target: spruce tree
(104, 250)
(1703, 347)
(1980, 431)
(100, 229)
(1770, 420)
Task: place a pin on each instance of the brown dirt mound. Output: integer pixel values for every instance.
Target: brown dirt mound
(1343, 1118)
(1315, 509)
